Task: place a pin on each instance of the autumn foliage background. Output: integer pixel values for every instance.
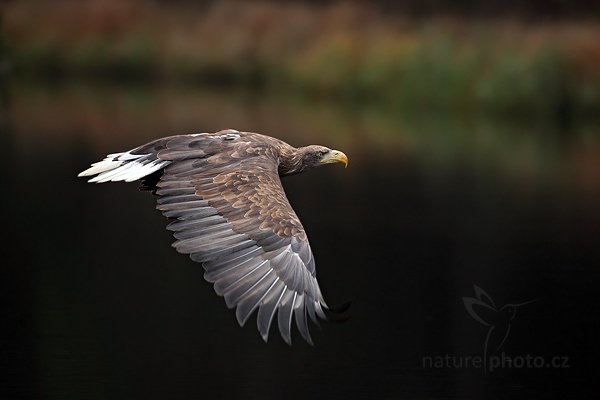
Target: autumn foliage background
(534, 58)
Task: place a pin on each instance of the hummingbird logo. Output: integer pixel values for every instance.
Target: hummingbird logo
(498, 320)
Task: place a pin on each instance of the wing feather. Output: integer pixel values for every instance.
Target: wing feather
(228, 211)
(284, 316)
(257, 255)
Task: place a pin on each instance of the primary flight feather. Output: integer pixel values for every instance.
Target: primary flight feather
(223, 196)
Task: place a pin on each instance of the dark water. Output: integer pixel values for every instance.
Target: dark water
(100, 306)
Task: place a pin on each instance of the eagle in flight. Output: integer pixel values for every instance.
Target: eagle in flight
(223, 197)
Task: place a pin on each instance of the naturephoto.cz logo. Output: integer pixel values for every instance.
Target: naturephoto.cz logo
(492, 363)
(498, 321)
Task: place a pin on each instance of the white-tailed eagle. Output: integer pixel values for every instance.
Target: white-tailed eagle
(223, 196)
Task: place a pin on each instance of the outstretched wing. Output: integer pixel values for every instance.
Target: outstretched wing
(229, 211)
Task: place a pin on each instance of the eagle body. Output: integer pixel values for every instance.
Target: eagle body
(227, 209)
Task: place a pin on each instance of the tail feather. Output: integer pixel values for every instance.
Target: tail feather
(109, 163)
(125, 166)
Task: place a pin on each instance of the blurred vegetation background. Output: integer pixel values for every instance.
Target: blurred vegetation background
(517, 58)
(505, 88)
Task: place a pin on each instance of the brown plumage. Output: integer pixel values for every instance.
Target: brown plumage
(223, 195)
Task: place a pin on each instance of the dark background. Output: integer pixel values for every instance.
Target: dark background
(460, 179)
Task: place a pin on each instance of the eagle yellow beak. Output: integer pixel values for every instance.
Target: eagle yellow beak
(335, 156)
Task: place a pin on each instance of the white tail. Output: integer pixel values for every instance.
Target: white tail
(124, 167)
